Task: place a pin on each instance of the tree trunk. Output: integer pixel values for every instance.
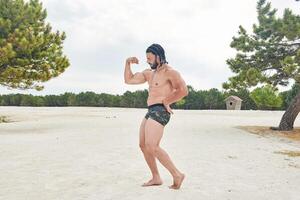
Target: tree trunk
(288, 118)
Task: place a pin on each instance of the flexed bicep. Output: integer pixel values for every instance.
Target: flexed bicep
(137, 78)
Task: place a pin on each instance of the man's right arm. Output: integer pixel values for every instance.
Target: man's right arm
(131, 78)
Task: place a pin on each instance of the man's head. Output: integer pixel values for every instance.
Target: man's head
(155, 56)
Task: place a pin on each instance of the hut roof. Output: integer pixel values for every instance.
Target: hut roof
(234, 97)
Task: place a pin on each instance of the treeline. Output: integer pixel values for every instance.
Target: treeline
(196, 100)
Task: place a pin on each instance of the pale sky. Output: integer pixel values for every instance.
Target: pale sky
(101, 34)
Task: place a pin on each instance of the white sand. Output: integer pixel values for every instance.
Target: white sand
(93, 153)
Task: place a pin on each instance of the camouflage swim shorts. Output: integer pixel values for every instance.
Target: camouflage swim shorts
(158, 113)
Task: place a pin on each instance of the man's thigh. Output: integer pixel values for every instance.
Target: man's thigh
(153, 132)
(142, 132)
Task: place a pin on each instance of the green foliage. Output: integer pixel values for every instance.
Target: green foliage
(180, 103)
(288, 96)
(202, 99)
(214, 99)
(196, 100)
(30, 53)
(136, 99)
(266, 97)
(206, 99)
(270, 55)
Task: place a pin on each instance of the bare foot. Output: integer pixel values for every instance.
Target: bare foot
(152, 182)
(177, 182)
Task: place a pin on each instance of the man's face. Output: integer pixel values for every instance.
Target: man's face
(151, 58)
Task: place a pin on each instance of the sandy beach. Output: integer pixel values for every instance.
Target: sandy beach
(74, 153)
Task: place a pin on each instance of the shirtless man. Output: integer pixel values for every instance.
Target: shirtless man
(165, 87)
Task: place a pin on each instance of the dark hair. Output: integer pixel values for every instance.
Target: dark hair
(156, 49)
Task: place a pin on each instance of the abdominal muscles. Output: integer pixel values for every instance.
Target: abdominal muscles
(158, 93)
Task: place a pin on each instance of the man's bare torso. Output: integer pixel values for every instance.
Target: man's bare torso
(159, 85)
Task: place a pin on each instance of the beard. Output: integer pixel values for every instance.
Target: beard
(153, 65)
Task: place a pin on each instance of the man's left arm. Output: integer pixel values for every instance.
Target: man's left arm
(178, 85)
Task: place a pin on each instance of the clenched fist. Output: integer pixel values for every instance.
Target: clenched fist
(132, 60)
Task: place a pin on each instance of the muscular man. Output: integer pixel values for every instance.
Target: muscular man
(166, 86)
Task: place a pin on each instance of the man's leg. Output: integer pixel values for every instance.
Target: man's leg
(150, 159)
(153, 134)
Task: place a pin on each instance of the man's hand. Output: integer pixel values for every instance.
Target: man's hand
(168, 108)
(132, 60)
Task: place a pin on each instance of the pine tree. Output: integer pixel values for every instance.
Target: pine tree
(271, 55)
(30, 53)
